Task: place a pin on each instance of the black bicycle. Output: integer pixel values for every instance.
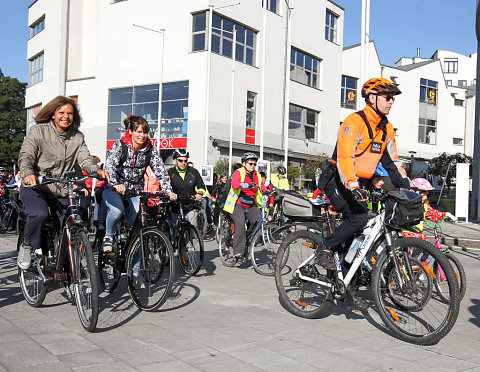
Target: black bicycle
(9, 208)
(67, 261)
(142, 252)
(185, 237)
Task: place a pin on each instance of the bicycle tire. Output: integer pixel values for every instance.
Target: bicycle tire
(109, 275)
(459, 274)
(190, 249)
(156, 271)
(422, 325)
(3, 224)
(86, 284)
(264, 247)
(300, 297)
(225, 244)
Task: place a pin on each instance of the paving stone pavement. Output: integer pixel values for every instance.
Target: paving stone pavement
(222, 319)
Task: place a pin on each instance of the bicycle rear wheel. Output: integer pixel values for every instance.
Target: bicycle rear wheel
(190, 249)
(150, 272)
(86, 284)
(296, 269)
(201, 222)
(264, 247)
(225, 244)
(109, 274)
(402, 291)
(459, 275)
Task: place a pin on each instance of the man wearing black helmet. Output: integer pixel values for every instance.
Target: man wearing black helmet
(279, 179)
(186, 183)
(244, 200)
(364, 139)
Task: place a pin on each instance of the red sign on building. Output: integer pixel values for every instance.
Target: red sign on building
(165, 143)
(250, 136)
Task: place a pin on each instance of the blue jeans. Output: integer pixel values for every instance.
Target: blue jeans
(114, 202)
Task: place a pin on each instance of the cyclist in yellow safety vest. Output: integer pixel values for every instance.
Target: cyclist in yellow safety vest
(279, 179)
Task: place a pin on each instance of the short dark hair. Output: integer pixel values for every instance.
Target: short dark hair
(47, 111)
(132, 122)
(263, 174)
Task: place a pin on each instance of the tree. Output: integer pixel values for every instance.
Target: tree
(309, 169)
(440, 163)
(292, 173)
(12, 119)
(221, 166)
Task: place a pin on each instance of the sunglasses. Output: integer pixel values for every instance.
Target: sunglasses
(182, 161)
(389, 98)
(250, 163)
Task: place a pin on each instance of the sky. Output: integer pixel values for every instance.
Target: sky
(398, 28)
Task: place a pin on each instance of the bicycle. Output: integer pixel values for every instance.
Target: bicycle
(142, 252)
(454, 262)
(185, 237)
(401, 283)
(8, 208)
(64, 261)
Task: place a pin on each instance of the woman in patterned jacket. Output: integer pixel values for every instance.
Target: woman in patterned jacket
(127, 163)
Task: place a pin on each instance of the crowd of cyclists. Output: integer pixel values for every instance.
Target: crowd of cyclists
(365, 153)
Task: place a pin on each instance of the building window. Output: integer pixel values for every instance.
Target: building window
(458, 102)
(302, 123)
(448, 82)
(331, 27)
(349, 92)
(139, 100)
(304, 68)
(427, 131)
(428, 91)
(174, 110)
(450, 65)
(37, 26)
(222, 37)
(458, 141)
(36, 69)
(251, 109)
(31, 113)
(462, 83)
(272, 5)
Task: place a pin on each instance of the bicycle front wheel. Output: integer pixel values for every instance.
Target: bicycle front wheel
(86, 283)
(302, 284)
(225, 242)
(459, 275)
(402, 291)
(150, 269)
(190, 249)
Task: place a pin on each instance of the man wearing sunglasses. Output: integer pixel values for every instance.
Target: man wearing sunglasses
(187, 182)
(364, 139)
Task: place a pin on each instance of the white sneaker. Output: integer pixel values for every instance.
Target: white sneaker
(107, 245)
(24, 258)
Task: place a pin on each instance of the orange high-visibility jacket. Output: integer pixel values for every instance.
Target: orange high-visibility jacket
(358, 156)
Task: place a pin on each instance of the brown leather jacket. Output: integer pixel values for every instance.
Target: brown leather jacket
(46, 149)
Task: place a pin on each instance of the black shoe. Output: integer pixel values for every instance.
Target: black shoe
(325, 257)
(355, 301)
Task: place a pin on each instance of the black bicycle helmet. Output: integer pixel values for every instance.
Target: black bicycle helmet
(249, 155)
(281, 169)
(179, 153)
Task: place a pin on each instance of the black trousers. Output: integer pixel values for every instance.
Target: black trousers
(238, 217)
(37, 204)
(354, 214)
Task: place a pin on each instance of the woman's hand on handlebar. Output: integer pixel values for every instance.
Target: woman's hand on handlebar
(30, 180)
(120, 188)
(104, 174)
(198, 196)
(172, 196)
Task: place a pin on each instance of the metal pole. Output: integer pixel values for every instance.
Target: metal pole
(207, 93)
(286, 101)
(443, 185)
(475, 207)
(362, 44)
(160, 87)
(230, 152)
(262, 98)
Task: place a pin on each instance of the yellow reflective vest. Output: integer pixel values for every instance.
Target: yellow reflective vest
(233, 194)
(279, 183)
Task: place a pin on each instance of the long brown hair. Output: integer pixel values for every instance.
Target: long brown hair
(47, 111)
(219, 181)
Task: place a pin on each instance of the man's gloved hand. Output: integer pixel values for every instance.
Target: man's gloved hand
(360, 194)
(244, 185)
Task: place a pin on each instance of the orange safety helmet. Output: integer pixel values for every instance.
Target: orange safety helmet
(379, 86)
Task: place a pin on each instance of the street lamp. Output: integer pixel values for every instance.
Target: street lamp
(160, 31)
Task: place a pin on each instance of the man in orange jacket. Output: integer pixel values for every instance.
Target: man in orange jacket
(364, 139)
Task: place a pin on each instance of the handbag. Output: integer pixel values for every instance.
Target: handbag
(246, 199)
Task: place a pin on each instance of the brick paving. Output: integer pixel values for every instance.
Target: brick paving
(222, 319)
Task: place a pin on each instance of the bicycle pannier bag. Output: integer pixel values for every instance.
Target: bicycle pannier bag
(296, 205)
(403, 208)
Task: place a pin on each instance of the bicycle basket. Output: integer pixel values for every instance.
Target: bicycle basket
(296, 205)
(403, 208)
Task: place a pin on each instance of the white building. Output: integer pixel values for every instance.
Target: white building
(151, 58)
